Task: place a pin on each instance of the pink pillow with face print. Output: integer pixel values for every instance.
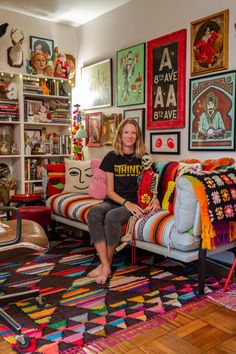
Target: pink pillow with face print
(97, 188)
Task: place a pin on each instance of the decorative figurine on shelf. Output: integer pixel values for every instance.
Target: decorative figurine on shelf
(78, 117)
(49, 70)
(61, 67)
(43, 114)
(44, 87)
(38, 63)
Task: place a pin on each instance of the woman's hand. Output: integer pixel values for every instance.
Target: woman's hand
(154, 205)
(134, 208)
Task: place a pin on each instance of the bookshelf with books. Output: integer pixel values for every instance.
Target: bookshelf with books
(10, 126)
(35, 125)
(47, 124)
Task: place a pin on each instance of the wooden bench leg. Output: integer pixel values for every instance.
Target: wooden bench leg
(201, 271)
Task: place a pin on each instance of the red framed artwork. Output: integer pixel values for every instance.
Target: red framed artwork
(166, 81)
(94, 128)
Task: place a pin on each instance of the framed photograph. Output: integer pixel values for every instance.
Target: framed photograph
(109, 127)
(130, 75)
(209, 43)
(97, 85)
(212, 112)
(137, 114)
(42, 44)
(32, 137)
(166, 81)
(94, 128)
(33, 107)
(165, 143)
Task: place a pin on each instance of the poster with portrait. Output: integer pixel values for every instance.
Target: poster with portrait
(94, 128)
(212, 112)
(166, 81)
(130, 75)
(209, 43)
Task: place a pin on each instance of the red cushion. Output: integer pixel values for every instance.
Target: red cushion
(55, 167)
(37, 213)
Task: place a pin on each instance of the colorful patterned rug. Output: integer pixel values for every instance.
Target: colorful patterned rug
(225, 298)
(79, 313)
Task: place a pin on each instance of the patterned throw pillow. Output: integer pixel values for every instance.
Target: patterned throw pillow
(187, 167)
(78, 176)
(55, 178)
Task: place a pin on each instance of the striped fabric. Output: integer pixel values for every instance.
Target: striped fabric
(155, 227)
(72, 205)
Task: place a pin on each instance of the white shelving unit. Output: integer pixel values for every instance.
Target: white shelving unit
(33, 93)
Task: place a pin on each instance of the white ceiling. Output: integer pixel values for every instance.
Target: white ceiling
(70, 12)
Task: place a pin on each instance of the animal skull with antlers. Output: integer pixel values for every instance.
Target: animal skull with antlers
(15, 53)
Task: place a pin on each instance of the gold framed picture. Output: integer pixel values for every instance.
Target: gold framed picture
(109, 127)
(209, 43)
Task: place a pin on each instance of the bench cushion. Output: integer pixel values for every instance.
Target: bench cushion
(159, 228)
(72, 205)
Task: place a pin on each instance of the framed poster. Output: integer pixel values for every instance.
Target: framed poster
(137, 114)
(166, 81)
(209, 43)
(212, 112)
(42, 45)
(165, 143)
(97, 85)
(130, 75)
(94, 128)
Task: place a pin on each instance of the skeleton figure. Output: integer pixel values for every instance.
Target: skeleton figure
(15, 53)
(147, 190)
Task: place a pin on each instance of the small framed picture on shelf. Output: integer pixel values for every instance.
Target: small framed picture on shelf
(47, 148)
(97, 84)
(32, 137)
(138, 115)
(42, 45)
(33, 108)
(94, 128)
(165, 143)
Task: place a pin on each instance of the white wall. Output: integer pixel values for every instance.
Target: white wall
(143, 20)
(64, 36)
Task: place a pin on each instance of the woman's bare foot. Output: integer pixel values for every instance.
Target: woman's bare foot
(95, 272)
(104, 274)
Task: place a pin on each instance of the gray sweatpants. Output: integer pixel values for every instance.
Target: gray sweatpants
(105, 222)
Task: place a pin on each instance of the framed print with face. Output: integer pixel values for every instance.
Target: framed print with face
(94, 128)
(42, 45)
(97, 85)
(212, 112)
(209, 43)
(165, 143)
(166, 81)
(138, 115)
(130, 75)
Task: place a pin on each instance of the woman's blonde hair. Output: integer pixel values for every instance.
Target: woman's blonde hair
(139, 146)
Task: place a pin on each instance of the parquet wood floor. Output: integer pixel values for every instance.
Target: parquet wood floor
(210, 329)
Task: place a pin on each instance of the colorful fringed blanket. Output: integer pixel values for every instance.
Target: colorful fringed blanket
(216, 194)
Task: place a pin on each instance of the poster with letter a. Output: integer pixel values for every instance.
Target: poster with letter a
(166, 81)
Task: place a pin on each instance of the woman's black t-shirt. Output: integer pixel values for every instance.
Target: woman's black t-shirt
(126, 170)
